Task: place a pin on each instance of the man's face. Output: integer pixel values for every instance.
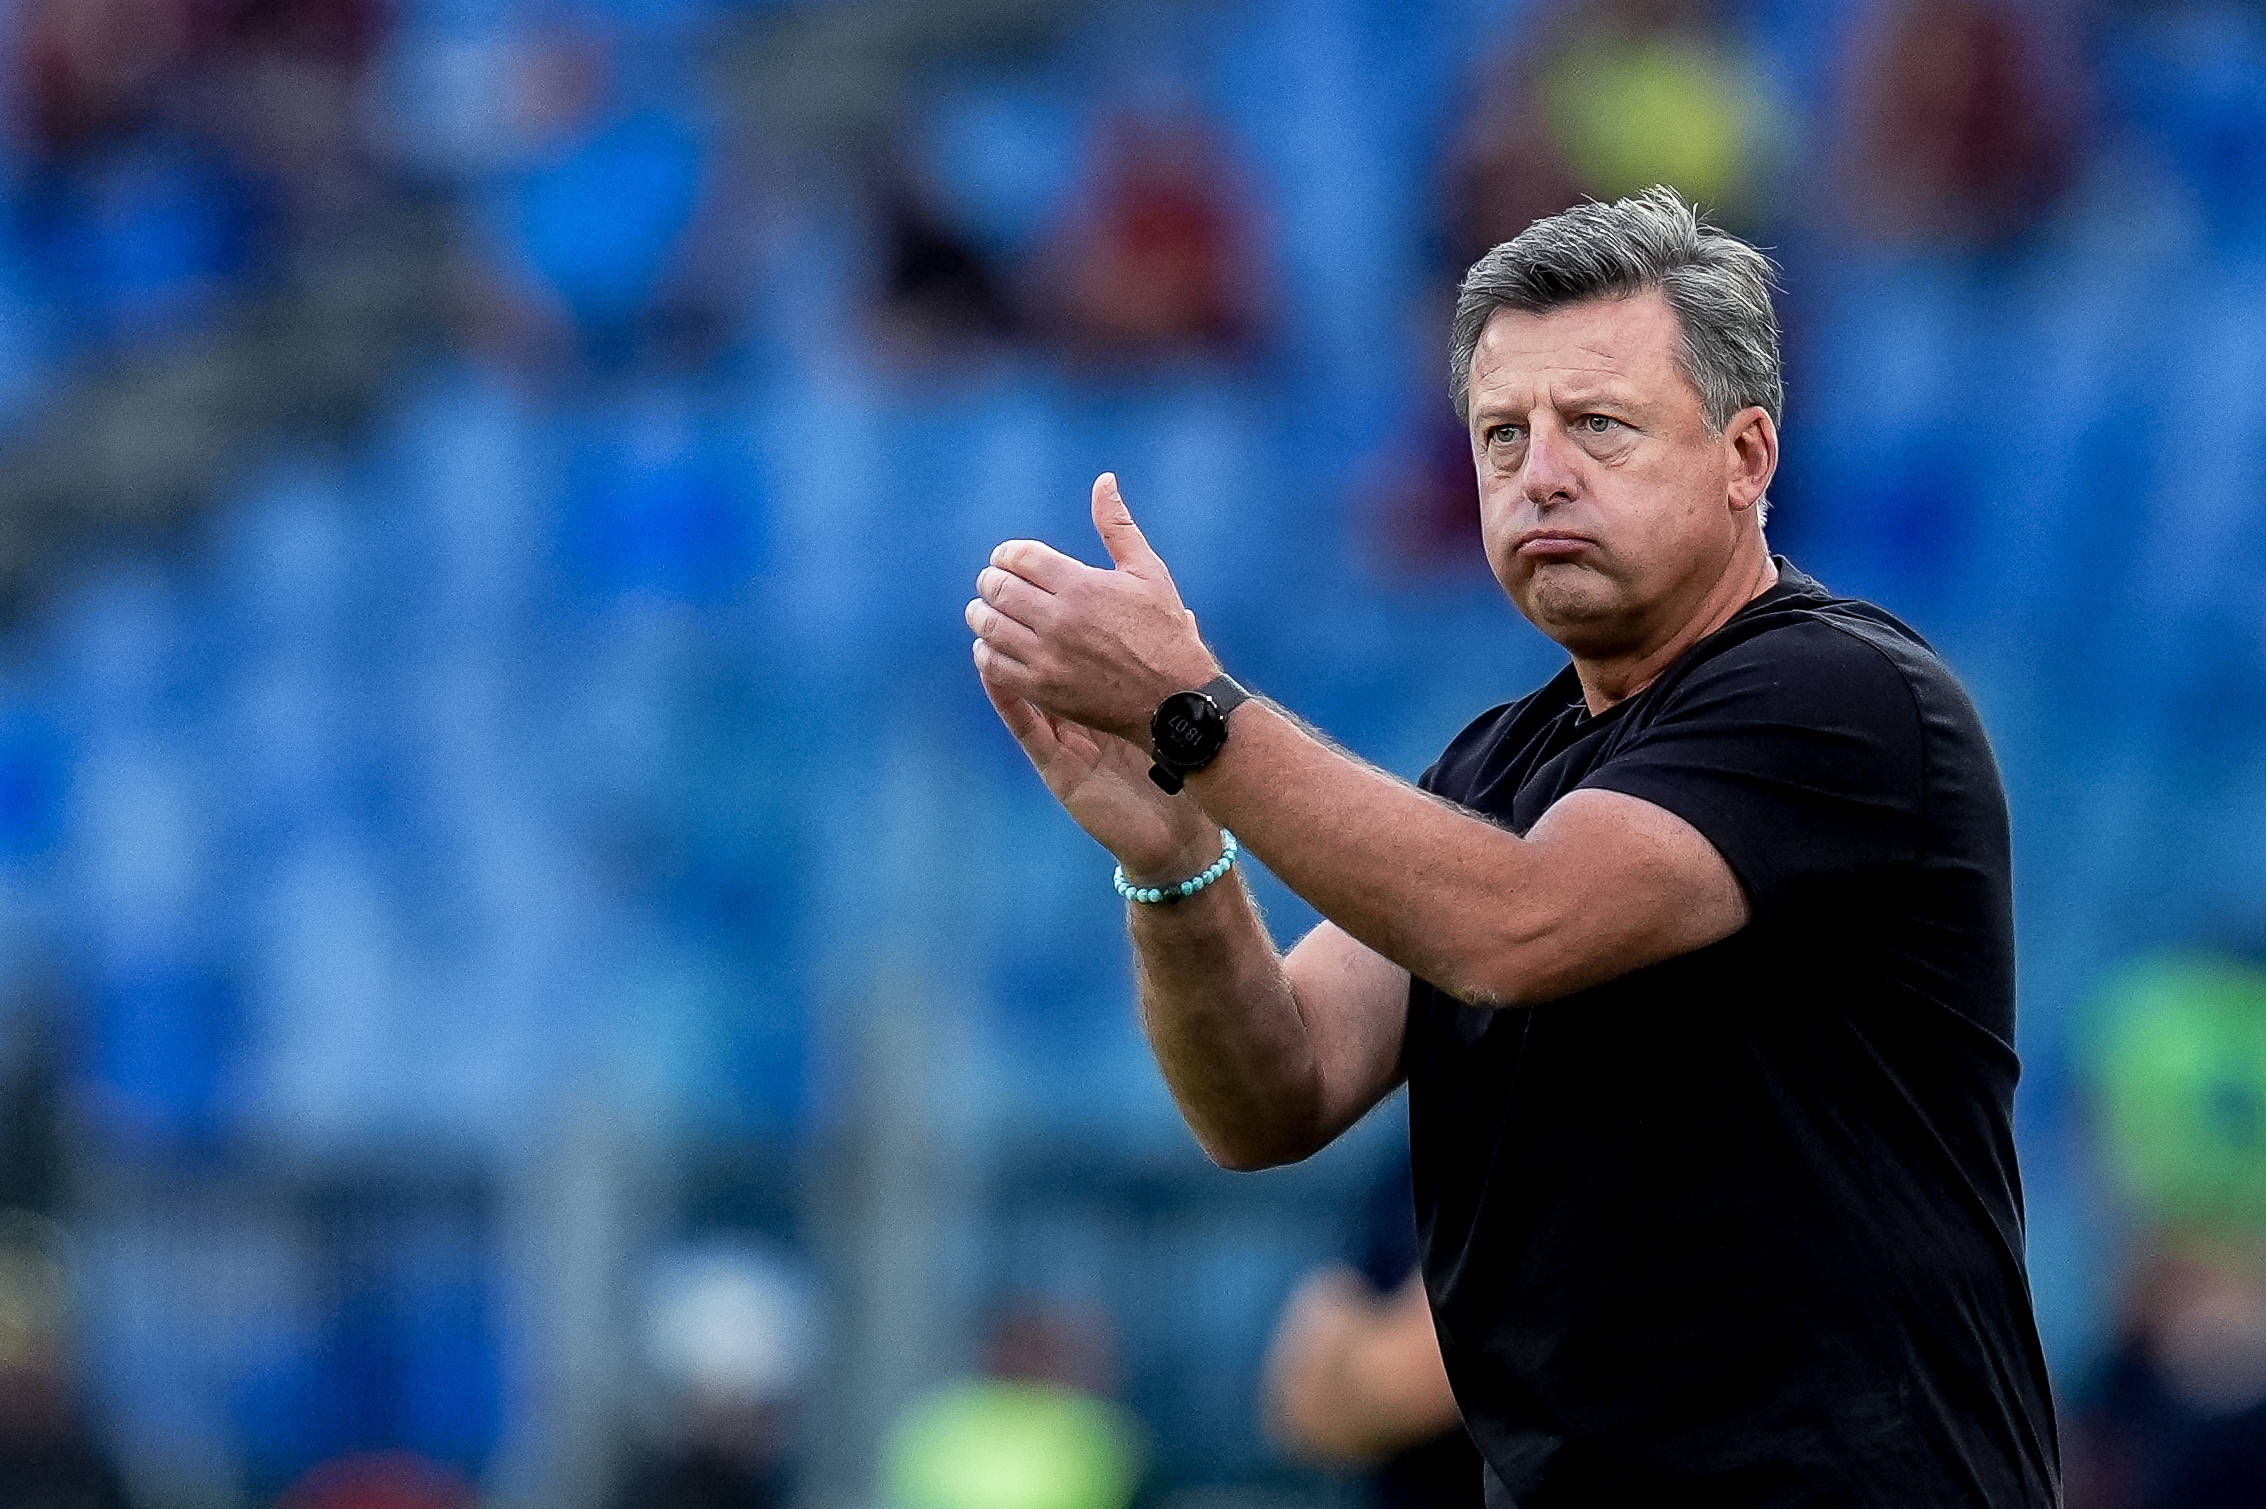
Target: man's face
(1608, 508)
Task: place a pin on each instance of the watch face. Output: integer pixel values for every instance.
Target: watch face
(1187, 729)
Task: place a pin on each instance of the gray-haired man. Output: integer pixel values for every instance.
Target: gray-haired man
(1698, 961)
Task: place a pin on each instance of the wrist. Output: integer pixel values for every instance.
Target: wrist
(1178, 673)
(1198, 853)
(1189, 728)
(1165, 895)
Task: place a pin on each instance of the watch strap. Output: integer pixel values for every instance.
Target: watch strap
(1226, 692)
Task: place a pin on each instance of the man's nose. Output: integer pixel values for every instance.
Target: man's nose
(1551, 473)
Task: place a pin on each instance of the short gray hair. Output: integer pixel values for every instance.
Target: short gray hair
(1718, 285)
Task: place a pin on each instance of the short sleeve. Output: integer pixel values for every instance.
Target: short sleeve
(1797, 754)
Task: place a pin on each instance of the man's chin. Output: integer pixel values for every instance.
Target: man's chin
(1569, 603)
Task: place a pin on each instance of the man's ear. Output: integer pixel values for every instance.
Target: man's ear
(1753, 443)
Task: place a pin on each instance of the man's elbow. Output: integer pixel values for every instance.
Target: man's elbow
(1252, 1154)
(1520, 970)
(1495, 976)
(1526, 956)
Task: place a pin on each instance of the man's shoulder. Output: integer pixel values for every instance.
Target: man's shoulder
(1851, 676)
(1809, 647)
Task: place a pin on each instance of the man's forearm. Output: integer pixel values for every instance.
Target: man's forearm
(1226, 1027)
(1430, 887)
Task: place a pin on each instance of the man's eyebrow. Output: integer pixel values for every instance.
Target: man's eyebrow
(1613, 395)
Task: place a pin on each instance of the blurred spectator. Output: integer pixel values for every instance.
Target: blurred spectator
(941, 293)
(280, 91)
(1652, 91)
(1606, 98)
(47, 1459)
(184, 153)
(273, 83)
(1964, 121)
(91, 67)
(2178, 1071)
(1506, 169)
(1354, 1377)
(1037, 1431)
(729, 1336)
(2175, 1416)
(1158, 256)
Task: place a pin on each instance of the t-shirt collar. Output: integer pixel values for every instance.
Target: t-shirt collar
(1792, 582)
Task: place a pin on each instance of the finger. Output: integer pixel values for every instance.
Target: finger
(1037, 730)
(1002, 670)
(1001, 632)
(1121, 537)
(1038, 563)
(1029, 726)
(1014, 596)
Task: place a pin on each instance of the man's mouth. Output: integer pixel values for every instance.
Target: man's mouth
(1553, 545)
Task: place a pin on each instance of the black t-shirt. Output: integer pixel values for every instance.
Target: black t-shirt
(1744, 1227)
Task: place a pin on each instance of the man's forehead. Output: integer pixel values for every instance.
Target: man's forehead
(1602, 342)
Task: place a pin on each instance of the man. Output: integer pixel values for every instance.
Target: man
(1698, 961)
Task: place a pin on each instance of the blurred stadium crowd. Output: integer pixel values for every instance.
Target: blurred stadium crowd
(528, 969)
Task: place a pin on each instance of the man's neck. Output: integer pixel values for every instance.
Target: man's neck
(1617, 678)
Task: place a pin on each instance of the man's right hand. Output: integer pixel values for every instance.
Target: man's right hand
(1103, 782)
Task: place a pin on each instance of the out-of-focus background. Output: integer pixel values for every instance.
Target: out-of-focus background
(528, 973)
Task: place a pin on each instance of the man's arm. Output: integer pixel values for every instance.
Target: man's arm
(1602, 885)
(1268, 1058)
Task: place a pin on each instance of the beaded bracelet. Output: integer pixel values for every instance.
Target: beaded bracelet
(1150, 895)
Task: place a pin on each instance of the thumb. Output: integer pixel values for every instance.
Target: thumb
(1128, 548)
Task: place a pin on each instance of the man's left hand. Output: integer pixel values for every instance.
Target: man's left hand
(1099, 647)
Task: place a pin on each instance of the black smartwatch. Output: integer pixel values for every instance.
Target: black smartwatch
(1188, 728)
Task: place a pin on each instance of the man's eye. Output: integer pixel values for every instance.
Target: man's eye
(1503, 434)
(1599, 424)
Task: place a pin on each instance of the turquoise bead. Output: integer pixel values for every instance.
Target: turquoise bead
(1153, 895)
